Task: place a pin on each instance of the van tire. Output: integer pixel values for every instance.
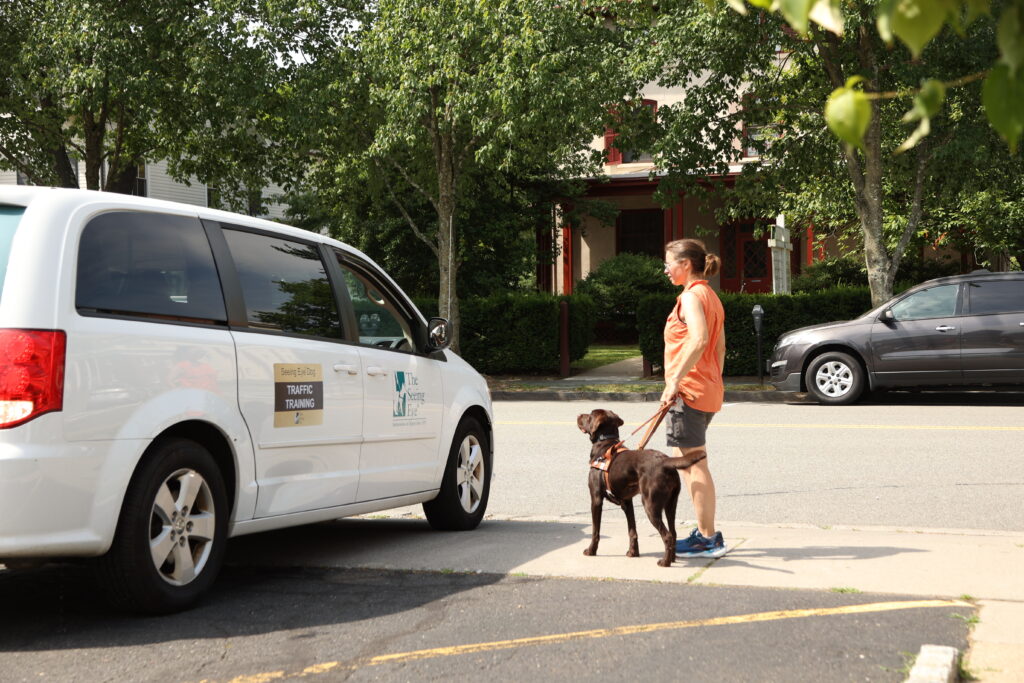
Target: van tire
(466, 485)
(176, 507)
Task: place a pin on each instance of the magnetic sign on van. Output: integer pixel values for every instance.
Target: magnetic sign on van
(298, 395)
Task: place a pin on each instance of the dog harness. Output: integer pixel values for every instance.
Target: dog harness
(603, 462)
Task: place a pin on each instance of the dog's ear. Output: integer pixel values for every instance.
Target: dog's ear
(614, 419)
(583, 422)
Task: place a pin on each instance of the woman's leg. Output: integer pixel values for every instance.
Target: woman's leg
(701, 486)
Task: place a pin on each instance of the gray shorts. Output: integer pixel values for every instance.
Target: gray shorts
(687, 427)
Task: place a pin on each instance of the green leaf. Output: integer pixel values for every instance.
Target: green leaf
(883, 20)
(848, 113)
(828, 15)
(975, 8)
(1002, 95)
(1010, 36)
(737, 5)
(796, 12)
(916, 22)
(927, 103)
(763, 4)
(922, 130)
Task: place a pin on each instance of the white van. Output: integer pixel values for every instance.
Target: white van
(172, 375)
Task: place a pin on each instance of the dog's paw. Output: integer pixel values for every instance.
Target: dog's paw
(663, 562)
(589, 552)
(633, 552)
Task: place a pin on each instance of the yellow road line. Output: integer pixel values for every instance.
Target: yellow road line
(401, 657)
(777, 425)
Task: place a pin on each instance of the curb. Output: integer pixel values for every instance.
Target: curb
(640, 397)
(935, 664)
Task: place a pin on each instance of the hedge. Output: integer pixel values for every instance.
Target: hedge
(782, 312)
(512, 332)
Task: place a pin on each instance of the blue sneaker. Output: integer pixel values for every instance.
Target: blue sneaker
(697, 545)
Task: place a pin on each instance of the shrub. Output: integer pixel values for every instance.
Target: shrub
(831, 272)
(782, 312)
(512, 332)
(616, 286)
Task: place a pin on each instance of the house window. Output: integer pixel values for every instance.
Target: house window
(757, 137)
(140, 189)
(20, 178)
(641, 231)
(213, 197)
(617, 156)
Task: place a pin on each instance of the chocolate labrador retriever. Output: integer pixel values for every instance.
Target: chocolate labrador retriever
(619, 474)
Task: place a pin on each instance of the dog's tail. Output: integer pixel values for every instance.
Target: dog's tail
(687, 460)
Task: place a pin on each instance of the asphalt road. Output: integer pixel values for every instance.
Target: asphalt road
(898, 463)
(265, 624)
(906, 462)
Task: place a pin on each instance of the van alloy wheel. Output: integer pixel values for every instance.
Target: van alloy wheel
(465, 485)
(470, 473)
(182, 527)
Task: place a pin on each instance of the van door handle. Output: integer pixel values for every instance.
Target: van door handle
(351, 369)
(944, 328)
(374, 371)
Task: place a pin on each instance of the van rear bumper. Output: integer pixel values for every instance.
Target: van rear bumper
(57, 500)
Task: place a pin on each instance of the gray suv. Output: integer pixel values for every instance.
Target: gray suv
(958, 331)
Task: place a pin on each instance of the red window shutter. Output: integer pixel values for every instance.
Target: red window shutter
(614, 155)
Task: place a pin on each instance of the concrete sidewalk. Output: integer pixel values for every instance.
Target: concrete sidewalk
(982, 567)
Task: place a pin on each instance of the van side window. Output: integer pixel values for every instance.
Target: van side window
(380, 321)
(284, 284)
(149, 264)
(996, 296)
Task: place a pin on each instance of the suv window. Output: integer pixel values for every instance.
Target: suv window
(996, 296)
(380, 321)
(936, 302)
(148, 263)
(284, 284)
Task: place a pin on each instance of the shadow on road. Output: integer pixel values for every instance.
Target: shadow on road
(340, 573)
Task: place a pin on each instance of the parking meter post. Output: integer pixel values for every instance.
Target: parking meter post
(563, 338)
(758, 314)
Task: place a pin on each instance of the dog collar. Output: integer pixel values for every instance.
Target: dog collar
(605, 437)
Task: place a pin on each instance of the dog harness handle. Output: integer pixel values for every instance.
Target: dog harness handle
(654, 421)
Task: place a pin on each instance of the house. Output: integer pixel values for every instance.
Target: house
(751, 262)
(154, 181)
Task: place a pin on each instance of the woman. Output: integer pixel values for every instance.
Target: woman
(694, 354)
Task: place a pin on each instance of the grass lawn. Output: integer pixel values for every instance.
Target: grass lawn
(598, 355)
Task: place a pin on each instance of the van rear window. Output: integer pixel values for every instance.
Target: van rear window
(149, 264)
(9, 218)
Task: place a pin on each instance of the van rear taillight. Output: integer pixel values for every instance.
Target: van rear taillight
(31, 374)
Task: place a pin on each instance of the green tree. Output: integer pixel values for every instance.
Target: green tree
(109, 85)
(760, 81)
(430, 92)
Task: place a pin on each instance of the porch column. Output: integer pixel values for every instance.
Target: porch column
(780, 247)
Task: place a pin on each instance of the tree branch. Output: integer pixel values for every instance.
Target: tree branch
(405, 214)
(916, 204)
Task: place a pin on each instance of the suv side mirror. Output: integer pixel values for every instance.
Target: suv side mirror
(439, 334)
(887, 316)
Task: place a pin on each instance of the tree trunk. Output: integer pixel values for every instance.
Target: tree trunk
(122, 180)
(447, 245)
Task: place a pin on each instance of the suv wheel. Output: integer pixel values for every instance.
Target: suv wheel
(466, 485)
(171, 536)
(835, 378)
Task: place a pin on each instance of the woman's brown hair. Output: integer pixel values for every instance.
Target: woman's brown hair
(695, 252)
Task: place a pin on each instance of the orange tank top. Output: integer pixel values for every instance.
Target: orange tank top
(702, 387)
